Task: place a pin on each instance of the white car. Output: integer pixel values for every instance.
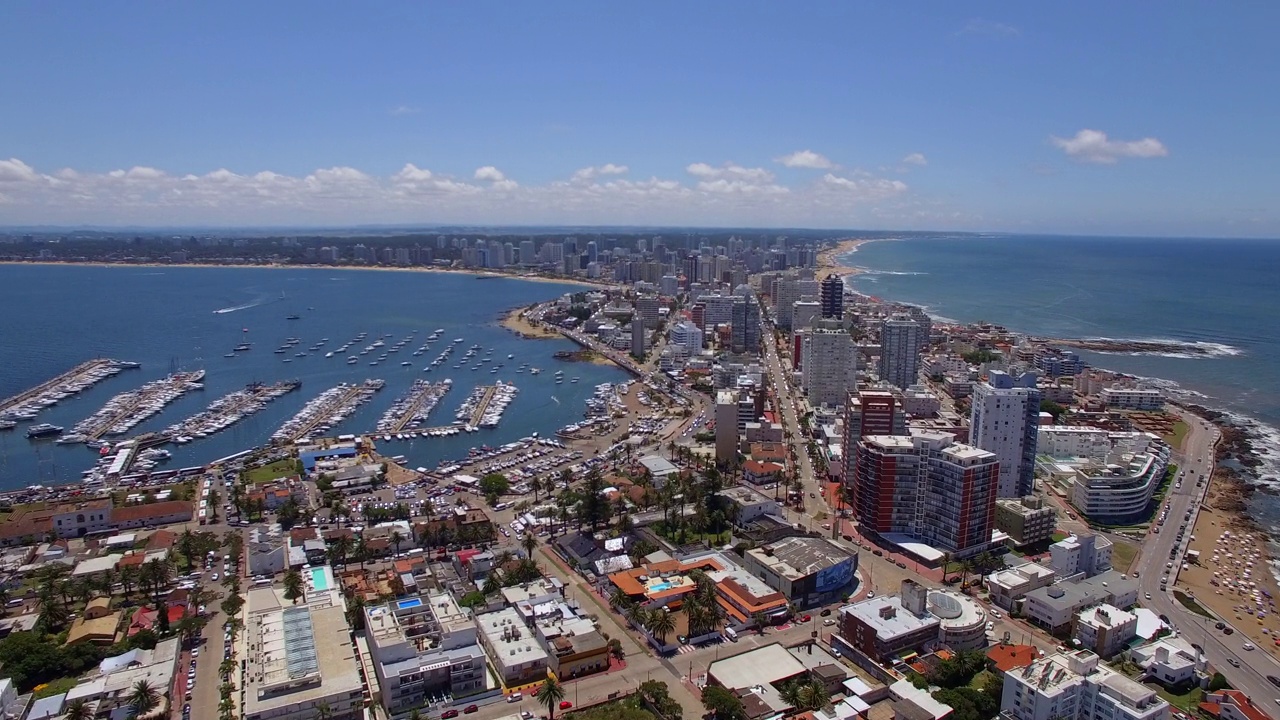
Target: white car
(215, 577)
(1248, 646)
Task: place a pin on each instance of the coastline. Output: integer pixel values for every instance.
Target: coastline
(515, 321)
(829, 259)
(487, 274)
(1235, 481)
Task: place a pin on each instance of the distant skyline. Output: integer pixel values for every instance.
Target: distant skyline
(1087, 118)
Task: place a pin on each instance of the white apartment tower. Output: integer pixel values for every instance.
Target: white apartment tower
(829, 370)
(1005, 420)
(900, 344)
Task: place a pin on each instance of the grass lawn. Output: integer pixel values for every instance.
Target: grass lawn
(1188, 699)
(55, 687)
(1122, 555)
(272, 471)
(1058, 536)
(1190, 603)
(1177, 434)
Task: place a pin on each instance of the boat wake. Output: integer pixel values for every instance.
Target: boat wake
(225, 310)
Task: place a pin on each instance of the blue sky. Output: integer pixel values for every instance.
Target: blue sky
(1089, 118)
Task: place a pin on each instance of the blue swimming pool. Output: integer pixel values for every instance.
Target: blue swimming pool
(410, 603)
(660, 587)
(318, 579)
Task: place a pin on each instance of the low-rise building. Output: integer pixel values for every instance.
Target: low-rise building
(1026, 520)
(573, 642)
(422, 648)
(1232, 705)
(513, 649)
(1121, 398)
(756, 677)
(301, 657)
(1076, 686)
(152, 514)
(1053, 607)
(809, 571)
(1105, 629)
(1007, 587)
(1170, 661)
(749, 504)
(1081, 554)
(889, 625)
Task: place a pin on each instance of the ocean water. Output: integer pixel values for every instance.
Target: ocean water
(168, 319)
(1221, 295)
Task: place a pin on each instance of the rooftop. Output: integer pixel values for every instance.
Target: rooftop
(510, 641)
(886, 615)
(798, 557)
(302, 653)
(762, 666)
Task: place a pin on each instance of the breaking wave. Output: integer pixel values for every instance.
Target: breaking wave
(1194, 349)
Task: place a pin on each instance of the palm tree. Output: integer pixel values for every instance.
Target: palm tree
(946, 564)
(323, 711)
(619, 599)
(143, 698)
(396, 539)
(529, 542)
(293, 586)
(966, 567)
(78, 709)
(227, 667)
(536, 486)
(550, 695)
(662, 623)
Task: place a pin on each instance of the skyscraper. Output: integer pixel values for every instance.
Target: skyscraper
(744, 335)
(830, 363)
(900, 351)
(1005, 420)
(637, 337)
(928, 487)
(789, 290)
(832, 295)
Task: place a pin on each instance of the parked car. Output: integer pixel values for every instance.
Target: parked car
(448, 714)
(565, 704)
(825, 612)
(470, 709)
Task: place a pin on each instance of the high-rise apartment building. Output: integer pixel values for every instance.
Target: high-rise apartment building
(744, 334)
(832, 296)
(637, 337)
(790, 289)
(830, 363)
(1005, 420)
(900, 346)
(726, 426)
(928, 487)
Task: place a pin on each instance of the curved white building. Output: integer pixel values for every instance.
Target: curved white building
(964, 622)
(1122, 486)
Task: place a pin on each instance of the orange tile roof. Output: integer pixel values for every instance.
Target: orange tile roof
(729, 608)
(1012, 657)
(733, 588)
(1242, 703)
(130, 513)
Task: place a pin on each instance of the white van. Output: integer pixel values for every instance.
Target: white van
(731, 634)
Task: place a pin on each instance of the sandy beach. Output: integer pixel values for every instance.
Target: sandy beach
(516, 322)
(277, 266)
(1232, 577)
(828, 263)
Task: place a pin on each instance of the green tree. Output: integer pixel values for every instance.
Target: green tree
(662, 623)
(142, 698)
(493, 486)
(549, 695)
(78, 709)
(293, 586)
(1052, 408)
(723, 704)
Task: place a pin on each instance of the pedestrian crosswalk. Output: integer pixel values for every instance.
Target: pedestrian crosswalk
(686, 649)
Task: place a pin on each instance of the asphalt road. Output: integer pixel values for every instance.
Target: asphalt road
(1220, 649)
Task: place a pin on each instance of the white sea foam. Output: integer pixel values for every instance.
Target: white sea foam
(1202, 349)
(225, 310)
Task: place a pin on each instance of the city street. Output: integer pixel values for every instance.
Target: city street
(1255, 665)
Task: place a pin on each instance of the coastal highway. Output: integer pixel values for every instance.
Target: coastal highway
(1151, 566)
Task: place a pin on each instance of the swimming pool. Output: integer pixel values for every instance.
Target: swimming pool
(318, 579)
(661, 586)
(410, 603)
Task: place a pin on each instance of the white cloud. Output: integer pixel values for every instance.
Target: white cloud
(1094, 146)
(490, 173)
(989, 28)
(589, 173)
(805, 159)
(915, 159)
(707, 194)
(729, 170)
(14, 170)
(399, 110)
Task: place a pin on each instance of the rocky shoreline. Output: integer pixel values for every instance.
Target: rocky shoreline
(1145, 347)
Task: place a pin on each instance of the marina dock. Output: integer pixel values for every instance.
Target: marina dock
(127, 409)
(413, 409)
(478, 413)
(327, 410)
(76, 380)
(228, 410)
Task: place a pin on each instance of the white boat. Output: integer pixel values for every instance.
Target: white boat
(328, 354)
